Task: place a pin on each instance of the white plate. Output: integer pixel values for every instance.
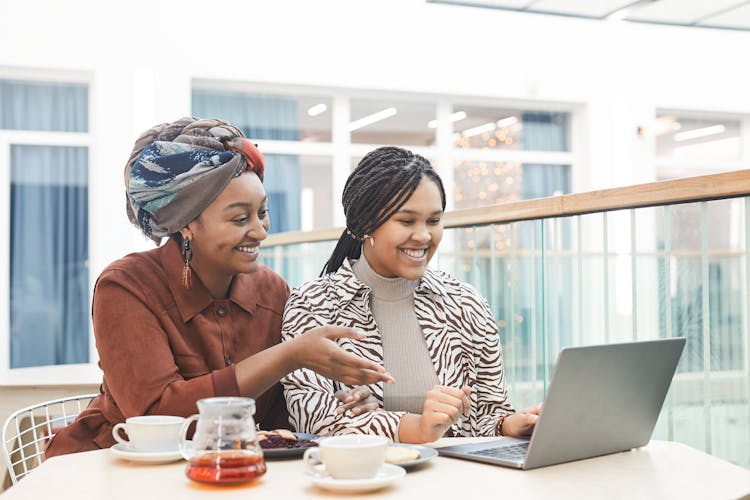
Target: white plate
(425, 453)
(386, 475)
(149, 457)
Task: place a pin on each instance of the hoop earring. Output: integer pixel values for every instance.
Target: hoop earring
(187, 256)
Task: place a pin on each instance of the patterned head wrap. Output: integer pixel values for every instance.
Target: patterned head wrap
(177, 169)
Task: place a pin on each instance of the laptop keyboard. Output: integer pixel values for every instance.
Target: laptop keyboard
(512, 452)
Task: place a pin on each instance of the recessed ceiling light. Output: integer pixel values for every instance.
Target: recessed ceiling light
(506, 122)
(370, 119)
(317, 109)
(481, 129)
(457, 116)
(699, 132)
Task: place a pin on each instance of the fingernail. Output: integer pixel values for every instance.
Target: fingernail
(349, 399)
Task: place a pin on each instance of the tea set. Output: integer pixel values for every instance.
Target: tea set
(225, 449)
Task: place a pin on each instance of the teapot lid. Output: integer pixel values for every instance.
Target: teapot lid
(226, 405)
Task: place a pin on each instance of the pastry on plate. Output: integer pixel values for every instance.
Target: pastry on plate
(398, 454)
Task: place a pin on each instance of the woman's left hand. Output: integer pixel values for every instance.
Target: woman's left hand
(358, 400)
(522, 424)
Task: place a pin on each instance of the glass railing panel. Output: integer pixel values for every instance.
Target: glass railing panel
(645, 273)
(523, 311)
(593, 276)
(300, 262)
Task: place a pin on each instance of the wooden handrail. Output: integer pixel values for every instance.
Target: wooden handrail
(690, 189)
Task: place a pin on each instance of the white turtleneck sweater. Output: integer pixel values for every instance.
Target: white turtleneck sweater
(405, 353)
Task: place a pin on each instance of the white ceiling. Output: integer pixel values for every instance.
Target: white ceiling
(721, 14)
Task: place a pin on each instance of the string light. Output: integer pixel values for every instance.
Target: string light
(483, 182)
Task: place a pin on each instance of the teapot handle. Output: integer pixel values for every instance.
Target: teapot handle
(186, 447)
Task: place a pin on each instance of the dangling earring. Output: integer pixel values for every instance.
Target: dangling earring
(187, 256)
(368, 237)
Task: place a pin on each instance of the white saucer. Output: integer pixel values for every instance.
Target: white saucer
(149, 457)
(387, 474)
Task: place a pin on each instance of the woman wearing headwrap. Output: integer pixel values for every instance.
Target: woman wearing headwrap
(199, 316)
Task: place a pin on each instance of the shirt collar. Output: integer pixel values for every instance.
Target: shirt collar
(431, 282)
(346, 284)
(192, 301)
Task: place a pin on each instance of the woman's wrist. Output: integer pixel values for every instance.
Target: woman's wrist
(409, 429)
(499, 425)
(292, 355)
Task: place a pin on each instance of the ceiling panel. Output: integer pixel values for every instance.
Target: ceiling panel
(736, 18)
(505, 4)
(679, 11)
(588, 8)
(728, 14)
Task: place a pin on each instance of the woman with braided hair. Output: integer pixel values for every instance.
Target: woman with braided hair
(434, 333)
(199, 316)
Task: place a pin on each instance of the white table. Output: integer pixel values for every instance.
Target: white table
(661, 470)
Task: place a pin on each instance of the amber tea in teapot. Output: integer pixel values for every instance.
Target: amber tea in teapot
(224, 449)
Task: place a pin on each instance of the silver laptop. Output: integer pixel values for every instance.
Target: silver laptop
(602, 399)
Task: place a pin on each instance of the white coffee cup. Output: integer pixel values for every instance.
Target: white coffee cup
(150, 433)
(348, 457)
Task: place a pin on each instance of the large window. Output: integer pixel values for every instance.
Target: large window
(486, 153)
(45, 217)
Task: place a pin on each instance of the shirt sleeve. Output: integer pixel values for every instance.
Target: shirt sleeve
(310, 397)
(136, 358)
(490, 388)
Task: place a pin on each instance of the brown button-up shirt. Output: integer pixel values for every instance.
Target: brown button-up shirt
(163, 347)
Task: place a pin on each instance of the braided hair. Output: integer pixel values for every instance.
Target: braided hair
(378, 187)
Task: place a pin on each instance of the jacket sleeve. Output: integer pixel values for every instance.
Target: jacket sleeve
(136, 358)
(310, 397)
(490, 389)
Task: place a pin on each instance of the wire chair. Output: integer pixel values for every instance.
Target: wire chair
(27, 431)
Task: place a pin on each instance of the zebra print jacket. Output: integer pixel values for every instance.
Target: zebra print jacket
(461, 335)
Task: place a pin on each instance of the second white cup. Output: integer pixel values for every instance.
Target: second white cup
(150, 433)
(348, 457)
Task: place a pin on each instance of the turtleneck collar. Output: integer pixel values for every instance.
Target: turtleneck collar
(389, 289)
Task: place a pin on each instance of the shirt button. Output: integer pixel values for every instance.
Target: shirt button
(221, 311)
(228, 360)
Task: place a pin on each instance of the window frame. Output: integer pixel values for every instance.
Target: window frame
(66, 374)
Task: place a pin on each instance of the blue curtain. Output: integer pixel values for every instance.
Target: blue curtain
(49, 256)
(544, 131)
(48, 231)
(262, 116)
(55, 107)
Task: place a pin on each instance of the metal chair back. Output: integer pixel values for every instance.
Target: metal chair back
(27, 431)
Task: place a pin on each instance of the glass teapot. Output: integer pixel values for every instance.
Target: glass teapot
(224, 448)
